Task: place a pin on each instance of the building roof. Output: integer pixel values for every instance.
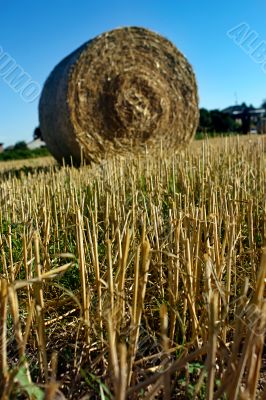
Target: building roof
(239, 110)
(233, 110)
(36, 144)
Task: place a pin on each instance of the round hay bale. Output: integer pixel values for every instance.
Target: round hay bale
(126, 90)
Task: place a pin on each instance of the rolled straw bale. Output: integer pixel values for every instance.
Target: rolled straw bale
(127, 90)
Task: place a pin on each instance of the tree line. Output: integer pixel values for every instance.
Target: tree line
(216, 121)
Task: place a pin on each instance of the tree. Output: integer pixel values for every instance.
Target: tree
(205, 122)
(216, 121)
(263, 105)
(222, 122)
(37, 133)
(245, 121)
(20, 146)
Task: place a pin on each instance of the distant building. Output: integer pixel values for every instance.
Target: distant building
(251, 119)
(262, 125)
(37, 141)
(36, 144)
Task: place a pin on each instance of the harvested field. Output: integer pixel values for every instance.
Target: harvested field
(139, 278)
(6, 166)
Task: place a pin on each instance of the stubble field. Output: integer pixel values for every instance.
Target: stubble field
(141, 278)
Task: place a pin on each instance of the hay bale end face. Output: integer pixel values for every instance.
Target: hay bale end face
(127, 90)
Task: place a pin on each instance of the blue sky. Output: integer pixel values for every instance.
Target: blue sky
(38, 34)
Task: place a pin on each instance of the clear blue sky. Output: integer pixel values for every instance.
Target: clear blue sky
(38, 34)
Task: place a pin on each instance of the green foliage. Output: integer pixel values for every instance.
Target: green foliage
(97, 385)
(188, 382)
(20, 146)
(71, 278)
(20, 151)
(205, 120)
(32, 390)
(216, 121)
(205, 135)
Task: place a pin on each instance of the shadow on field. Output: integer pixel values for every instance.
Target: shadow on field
(27, 170)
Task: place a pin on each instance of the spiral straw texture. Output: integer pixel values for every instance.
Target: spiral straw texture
(127, 90)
